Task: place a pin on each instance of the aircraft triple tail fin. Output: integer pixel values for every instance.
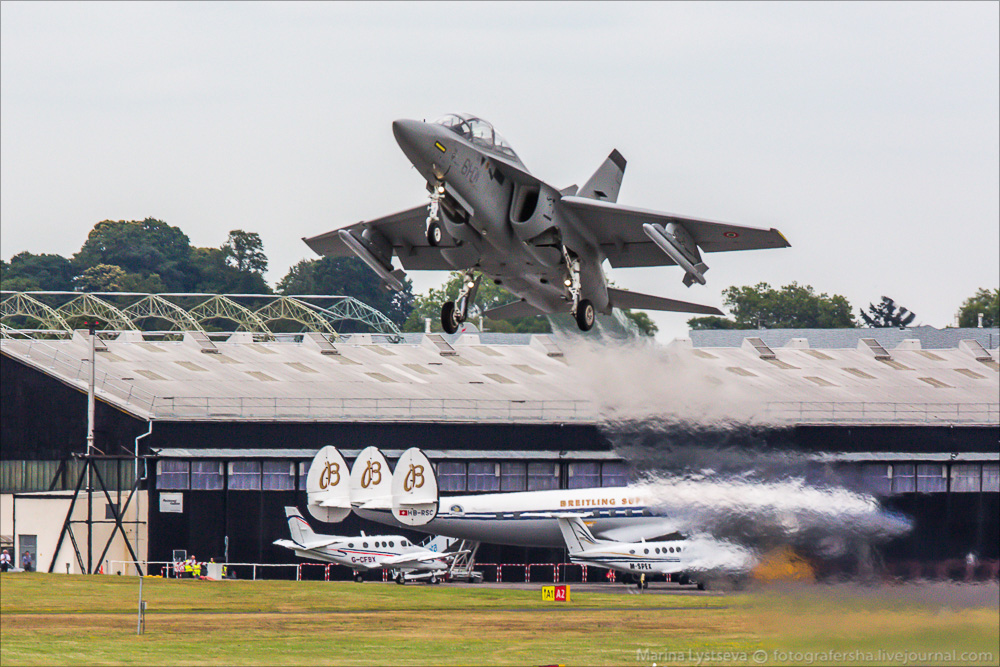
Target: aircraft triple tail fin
(576, 534)
(414, 489)
(606, 181)
(328, 486)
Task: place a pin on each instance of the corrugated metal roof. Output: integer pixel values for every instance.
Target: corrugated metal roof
(521, 382)
(931, 338)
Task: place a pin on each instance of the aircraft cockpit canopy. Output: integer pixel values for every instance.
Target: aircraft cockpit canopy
(479, 132)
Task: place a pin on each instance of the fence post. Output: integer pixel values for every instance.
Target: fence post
(298, 572)
(583, 570)
(527, 573)
(326, 573)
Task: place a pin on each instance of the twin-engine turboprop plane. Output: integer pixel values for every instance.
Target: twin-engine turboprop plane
(487, 213)
(368, 552)
(698, 557)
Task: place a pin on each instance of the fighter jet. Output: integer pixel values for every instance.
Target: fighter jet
(488, 215)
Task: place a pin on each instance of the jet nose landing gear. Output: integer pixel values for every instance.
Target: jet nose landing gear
(453, 313)
(583, 309)
(585, 315)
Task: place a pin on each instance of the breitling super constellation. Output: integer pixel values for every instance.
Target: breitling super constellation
(488, 215)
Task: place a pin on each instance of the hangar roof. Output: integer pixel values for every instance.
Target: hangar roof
(524, 379)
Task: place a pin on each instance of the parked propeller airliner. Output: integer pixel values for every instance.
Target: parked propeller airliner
(409, 498)
(489, 214)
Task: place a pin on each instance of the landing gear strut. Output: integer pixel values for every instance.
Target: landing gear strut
(583, 309)
(453, 313)
(435, 234)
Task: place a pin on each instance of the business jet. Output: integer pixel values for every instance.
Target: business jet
(368, 552)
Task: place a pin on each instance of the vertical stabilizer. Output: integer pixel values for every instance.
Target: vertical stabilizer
(328, 486)
(414, 489)
(576, 534)
(606, 181)
(302, 533)
(371, 480)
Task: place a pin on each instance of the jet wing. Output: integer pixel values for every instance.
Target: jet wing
(512, 310)
(625, 299)
(618, 230)
(406, 231)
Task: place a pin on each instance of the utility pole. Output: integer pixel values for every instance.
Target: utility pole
(92, 327)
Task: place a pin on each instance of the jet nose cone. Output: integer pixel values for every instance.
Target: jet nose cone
(407, 133)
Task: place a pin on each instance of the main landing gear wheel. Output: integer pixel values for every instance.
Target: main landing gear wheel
(585, 315)
(358, 577)
(400, 579)
(435, 234)
(434, 579)
(449, 317)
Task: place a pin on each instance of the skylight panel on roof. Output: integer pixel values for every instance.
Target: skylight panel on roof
(496, 377)
(929, 355)
(820, 381)
(264, 377)
(380, 350)
(818, 355)
(487, 350)
(970, 373)
(934, 382)
(891, 363)
(191, 366)
(859, 373)
(462, 362)
(525, 368)
(257, 347)
(420, 369)
(703, 354)
(299, 366)
(224, 359)
(150, 375)
(380, 377)
(741, 371)
(780, 364)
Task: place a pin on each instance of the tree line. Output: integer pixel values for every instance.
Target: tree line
(151, 256)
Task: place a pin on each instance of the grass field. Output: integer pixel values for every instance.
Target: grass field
(80, 620)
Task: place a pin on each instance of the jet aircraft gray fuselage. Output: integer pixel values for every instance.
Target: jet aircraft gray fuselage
(489, 214)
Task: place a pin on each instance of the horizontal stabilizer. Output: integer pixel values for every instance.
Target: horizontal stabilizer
(624, 299)
(512, 310)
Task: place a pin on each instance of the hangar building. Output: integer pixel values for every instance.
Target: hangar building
(225, 425)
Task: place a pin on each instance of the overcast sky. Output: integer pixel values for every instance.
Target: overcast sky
(867, 133)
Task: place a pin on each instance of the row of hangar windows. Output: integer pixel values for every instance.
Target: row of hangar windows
(884, 479)
(887, 479)
(453, 476)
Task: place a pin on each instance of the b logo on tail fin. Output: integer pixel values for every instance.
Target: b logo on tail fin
(414, 489)
(329, 495)
(370, 485)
